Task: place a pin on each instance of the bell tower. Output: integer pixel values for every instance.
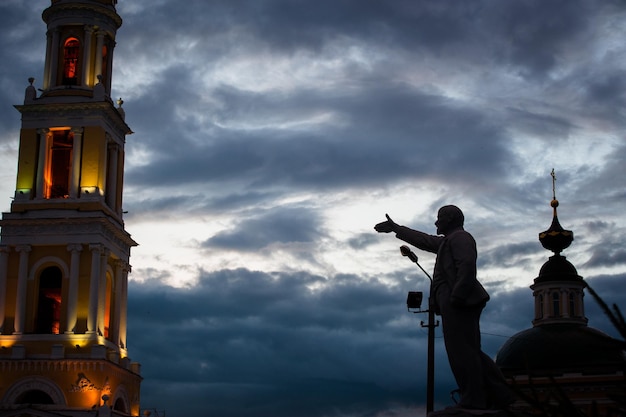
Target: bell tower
(64, 252)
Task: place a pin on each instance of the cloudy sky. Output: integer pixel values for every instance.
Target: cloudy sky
(271, 135)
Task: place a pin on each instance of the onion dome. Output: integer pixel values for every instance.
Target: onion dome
(556, 238)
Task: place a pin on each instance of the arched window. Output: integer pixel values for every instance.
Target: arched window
(34, 397)
(49, 303)
(59, 164)
(120, 405)
(70, 61)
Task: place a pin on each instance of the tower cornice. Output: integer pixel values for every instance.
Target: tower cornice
(18, 230)
(39, 115)
(84, 10)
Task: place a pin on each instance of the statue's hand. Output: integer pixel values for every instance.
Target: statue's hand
(386, 226)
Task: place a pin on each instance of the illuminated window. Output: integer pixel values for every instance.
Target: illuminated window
(70, 61)
(49, 303)
(59, 164)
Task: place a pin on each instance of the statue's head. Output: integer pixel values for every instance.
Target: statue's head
(448, 219)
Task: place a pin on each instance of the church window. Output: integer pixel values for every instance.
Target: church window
(49, 302)
(70, 61)
(120, 405)
(34, 397)
(59, 164)
(540, 307)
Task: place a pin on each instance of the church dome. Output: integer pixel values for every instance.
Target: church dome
(561, 348)
(557, 268)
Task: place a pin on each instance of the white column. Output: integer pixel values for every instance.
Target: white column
(72, 292)
(94, 287)
(4, 256)
(41, 163)
(566, 304)
(76, 157)
(547, 303)
(22, 286)
(114, 328)
(109, 63)
(46, 68)
(123, 300)
(53, 68)
(581, 307)
(103, 290)
(86, 70)
(98, 63)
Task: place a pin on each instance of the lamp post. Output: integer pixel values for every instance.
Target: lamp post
(414, 301)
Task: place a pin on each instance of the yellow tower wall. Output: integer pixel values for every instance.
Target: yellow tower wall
(93, 172)
(27, 161)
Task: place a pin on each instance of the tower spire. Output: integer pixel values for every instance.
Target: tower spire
(555, 238)
(558, 290)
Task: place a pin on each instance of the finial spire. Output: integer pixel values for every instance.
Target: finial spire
(554, 203)
(555, 238)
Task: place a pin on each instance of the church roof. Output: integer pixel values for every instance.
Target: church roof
(557, 268)
(559, 348)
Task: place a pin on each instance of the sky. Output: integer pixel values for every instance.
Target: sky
(272, 135)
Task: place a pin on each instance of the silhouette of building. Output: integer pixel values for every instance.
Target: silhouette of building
(561, 362)
(64, 251)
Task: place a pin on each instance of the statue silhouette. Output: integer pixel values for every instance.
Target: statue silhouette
(459, 298)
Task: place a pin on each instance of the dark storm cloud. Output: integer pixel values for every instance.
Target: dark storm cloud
(606, 186)
(199, 202)
(609, 89)
(363, 240)
(528, 35)
(612, 293)
(384, 131)
(255, 343)
(536, 32)
(244, 343)
(279, 225)
(333, 155)
(608, 255)
(507, 256)
(22, 51)
(542, 125)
